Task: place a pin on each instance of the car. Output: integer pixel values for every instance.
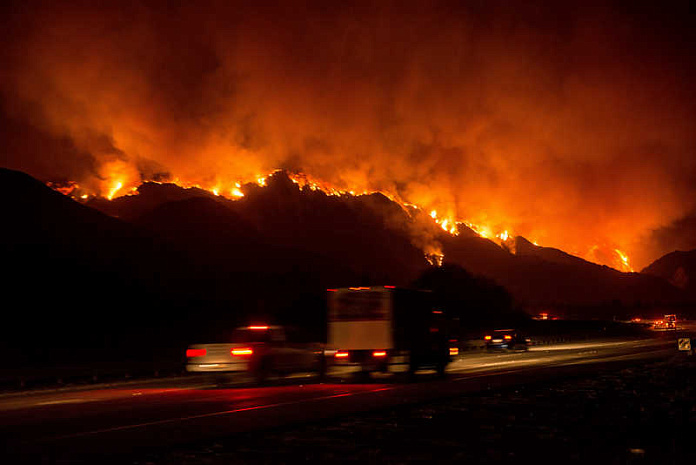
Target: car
(669, 322)
(258, 350)
(510, 339)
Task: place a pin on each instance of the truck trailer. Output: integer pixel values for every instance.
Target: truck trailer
(378, 327)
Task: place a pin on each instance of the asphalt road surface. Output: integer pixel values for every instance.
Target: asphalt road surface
(105, 425)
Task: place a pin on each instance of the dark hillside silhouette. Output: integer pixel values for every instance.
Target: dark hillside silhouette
(181, 265)
(679, 268)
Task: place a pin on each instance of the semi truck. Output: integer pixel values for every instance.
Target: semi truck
(379, 327)
(258, 350)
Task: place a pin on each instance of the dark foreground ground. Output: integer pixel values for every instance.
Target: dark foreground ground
(638, 414)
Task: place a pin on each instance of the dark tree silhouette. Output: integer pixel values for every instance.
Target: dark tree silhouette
(475, 301)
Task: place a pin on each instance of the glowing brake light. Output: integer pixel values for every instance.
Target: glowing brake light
(196, 352)
(341, 354)
(454, 351)
(261, 328)
(379, 353)
(242, 351)
(508, 337)
(488, 338)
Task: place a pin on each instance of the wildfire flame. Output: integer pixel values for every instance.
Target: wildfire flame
(625, 264)
(112, 192)
(116, 187)
(435, 259)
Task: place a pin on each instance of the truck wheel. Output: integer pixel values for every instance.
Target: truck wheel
(321, 368)
(261, 373)
(412, 367)
(441, 368)
(363, 375)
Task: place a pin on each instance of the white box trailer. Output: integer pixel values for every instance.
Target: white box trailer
(379, 326)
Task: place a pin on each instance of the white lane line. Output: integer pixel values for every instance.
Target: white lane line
(63, 401)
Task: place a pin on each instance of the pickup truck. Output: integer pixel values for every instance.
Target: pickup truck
(259, 351)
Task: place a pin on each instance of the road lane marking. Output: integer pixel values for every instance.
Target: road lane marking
(64, 401)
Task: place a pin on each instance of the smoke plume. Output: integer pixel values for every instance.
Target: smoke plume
(571, 124)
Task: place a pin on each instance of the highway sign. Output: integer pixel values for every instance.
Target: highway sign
(684, 343)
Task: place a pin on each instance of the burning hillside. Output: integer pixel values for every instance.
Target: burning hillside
(293, 236)
(422, 224)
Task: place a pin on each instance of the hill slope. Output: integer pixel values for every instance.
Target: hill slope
(679, 268)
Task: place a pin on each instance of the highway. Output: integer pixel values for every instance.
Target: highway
(110, 422)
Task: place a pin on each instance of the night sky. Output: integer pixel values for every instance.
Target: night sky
(570, 123)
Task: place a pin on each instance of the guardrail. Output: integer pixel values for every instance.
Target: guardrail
(55, 377)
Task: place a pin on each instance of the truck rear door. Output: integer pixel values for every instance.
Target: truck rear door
(360, 319)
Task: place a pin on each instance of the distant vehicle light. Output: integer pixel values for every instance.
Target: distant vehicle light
(341, 354)
(242, 351)
(379, 353)
(196, 353)
(488, 338)
(332, 290)
(259, 328)
(390, 287)
(454, 351)
(507, 337)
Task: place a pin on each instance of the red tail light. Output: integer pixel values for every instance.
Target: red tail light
(507, 337)
(454, 351)
(259, 328)
(341, 354)
(196, 352)
(488, 338)
(242, 351)
(379, 353)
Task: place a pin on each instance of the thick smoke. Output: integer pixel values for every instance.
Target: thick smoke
(572, 125)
